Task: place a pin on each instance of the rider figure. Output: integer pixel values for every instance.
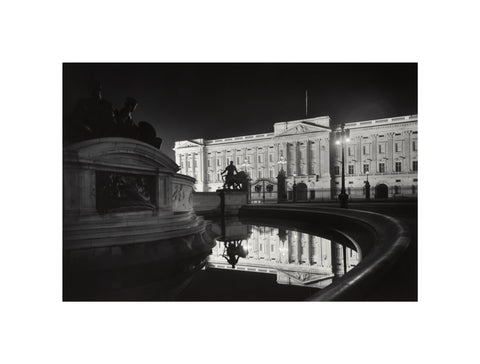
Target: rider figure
(229, 170)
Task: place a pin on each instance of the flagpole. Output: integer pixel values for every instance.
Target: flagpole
(306, 103)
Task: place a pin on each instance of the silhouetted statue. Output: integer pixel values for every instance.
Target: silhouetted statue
(92, 118)
(367, 190)
(126, 126)
(147, 134)
(231, 171)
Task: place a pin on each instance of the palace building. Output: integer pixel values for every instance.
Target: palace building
(383, 151)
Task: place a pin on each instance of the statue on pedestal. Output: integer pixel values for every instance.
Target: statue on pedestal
(92, 118)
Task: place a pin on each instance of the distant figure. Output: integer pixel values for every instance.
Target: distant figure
(231, 171)
(126, 126)
(92, 118)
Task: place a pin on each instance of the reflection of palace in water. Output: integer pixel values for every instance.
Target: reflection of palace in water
(296, 258)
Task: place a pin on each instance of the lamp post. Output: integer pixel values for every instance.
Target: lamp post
(367, 187)
(342, 138)
(294, 188)
(281, 189)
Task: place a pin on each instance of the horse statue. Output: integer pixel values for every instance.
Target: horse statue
(236, 182)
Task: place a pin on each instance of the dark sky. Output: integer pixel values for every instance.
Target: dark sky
(215, 100)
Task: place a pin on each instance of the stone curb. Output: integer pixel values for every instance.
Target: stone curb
(386, 240)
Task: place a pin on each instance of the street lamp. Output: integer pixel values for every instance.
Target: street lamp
(342, 138)
(281, 186)
(281, 163)
(367, 187)
(294, 188)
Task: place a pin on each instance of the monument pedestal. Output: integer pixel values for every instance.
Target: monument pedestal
(121, 191)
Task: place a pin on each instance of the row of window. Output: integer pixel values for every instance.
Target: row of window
(381, 168)
(381, 148)
(240, 160)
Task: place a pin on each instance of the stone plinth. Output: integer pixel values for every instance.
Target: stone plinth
(121, 191)
(208, 203)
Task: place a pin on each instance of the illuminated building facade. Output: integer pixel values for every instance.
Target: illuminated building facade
(384, 151)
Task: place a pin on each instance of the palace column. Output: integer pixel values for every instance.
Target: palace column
(202, 168)
(276, 158)
(391, 152)
(308, 249)
(374, 161)
(295, 158)
(408, 153)
(192, 164)
(307, 157)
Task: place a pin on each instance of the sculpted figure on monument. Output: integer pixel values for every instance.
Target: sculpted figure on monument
(126, 126)
(231, 171)
(147, 134)
(92, 118)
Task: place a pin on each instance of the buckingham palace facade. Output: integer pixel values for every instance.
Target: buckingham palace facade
(383, 151)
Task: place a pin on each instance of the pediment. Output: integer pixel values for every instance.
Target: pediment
(302, 128)
(187, 144)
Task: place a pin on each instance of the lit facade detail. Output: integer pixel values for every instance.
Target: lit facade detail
(385, 148)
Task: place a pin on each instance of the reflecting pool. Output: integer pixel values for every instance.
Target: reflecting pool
(232, 261)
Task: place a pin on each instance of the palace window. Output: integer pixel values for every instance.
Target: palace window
(349, 151)
(249, 159)
(337, 170)
(380, 149)
(228, 160)
(350, 170)
(260, 173)
(218, 162)
(238, 160)
(366, 168)
(414, 145)
(209, 163)
(398, 147)
(365, 150)
(271, 173)
(270, 157)
(398, 166)
(381, 167)
(415, 166)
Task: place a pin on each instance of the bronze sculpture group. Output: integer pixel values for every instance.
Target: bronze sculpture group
(94, 117)
(234, 180)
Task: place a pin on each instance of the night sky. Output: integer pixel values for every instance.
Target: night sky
(208, 100)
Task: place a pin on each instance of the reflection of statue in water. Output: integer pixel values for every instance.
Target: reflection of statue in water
(92, 118)
(234, 251)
